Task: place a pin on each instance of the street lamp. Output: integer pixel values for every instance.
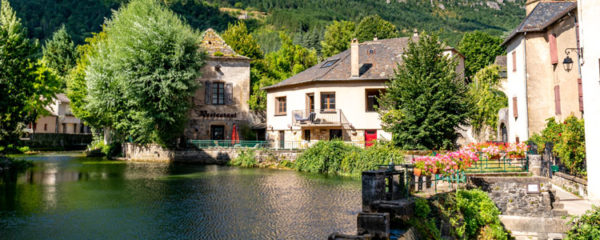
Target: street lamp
(568, 64)
(568, 61)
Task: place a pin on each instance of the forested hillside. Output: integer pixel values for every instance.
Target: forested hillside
(304, 19)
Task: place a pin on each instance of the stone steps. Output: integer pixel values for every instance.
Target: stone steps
(559, 212)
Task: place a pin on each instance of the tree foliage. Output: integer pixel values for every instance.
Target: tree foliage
(60, 53)
(26, 85)
(141, 77)
(425, 102)
(375, 26)
(487, 99)
(277, 66)
(337, 37)
(238, 38)
(480, 50)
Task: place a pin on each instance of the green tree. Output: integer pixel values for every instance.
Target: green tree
(426, 100)
(375, 26)
(241, 41)
(76, 83)
(487, 99)
(337, 38)
(60, 53)
(480, 50)
(141, 77)
(26, 86)
(277, 66)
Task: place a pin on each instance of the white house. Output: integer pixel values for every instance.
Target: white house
(337, 98)
(590, 70)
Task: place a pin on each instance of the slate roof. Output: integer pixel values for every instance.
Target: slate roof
(501, 61)
(377, 60)
(542, 16)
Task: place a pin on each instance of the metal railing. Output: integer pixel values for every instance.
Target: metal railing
(294, 145)
(502, 164)
(228, 143)
(319, 117)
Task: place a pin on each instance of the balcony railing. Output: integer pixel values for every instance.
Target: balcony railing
(318, 117)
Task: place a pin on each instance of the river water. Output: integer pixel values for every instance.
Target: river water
(68, 196)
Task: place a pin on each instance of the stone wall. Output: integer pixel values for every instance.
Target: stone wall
(155, 153)
(58, 141)
(512, 197)
(570, 183)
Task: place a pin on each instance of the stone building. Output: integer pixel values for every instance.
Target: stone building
(337, 98)
(222, 100)
(539, 83)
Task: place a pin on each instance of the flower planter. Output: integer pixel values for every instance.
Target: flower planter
(417, 172)
(436, 171)
(495, 157)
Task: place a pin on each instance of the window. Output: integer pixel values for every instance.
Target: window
(217, 132)
(327, 101)
(514, 61)
(281, 106)
(307, 135)
(329, 63)
(372, 96)
(218, 93)
(45, 127)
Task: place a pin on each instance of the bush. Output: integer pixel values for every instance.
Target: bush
(586, 227)
(246, 158)
(569, 143)
(337, 157)
(471, 213)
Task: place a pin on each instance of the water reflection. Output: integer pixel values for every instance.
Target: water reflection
(71, 197)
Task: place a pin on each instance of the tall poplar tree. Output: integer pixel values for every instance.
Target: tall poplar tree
(425, 102)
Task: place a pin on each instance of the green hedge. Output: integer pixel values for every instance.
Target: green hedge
(337, 157)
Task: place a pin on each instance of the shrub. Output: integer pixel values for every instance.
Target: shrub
(337, 157)
(586, 227)
(246, 158)
(569, 143)
(325, 157)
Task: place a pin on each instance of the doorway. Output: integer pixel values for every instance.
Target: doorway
(504, 133)
(370, 137)
(335, 134)
(217, 132)
(281, 139)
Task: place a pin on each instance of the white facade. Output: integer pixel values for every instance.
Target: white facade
(516, 87)
(589, 12)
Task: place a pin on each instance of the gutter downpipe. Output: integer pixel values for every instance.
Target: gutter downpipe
(526, 76)
(579, 56)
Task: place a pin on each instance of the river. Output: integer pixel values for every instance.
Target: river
(68, 196)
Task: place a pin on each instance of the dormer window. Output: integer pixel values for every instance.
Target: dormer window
(329, 63)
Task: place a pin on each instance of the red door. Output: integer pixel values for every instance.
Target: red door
(370, 137)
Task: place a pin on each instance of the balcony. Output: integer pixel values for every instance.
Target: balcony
(319, 118)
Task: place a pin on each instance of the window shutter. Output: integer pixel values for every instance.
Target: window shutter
(553, 50)
(229, 93)
(207, 93)
(515, 109)
(557, 99)
(514, 61)
(580, 88)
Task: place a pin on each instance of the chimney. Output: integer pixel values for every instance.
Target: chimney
(355, 66)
